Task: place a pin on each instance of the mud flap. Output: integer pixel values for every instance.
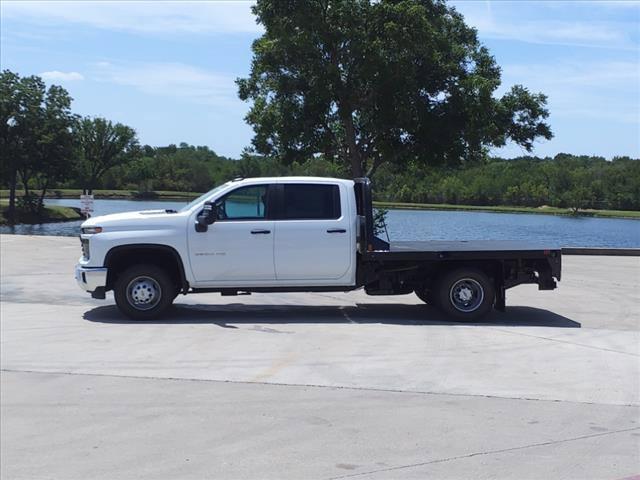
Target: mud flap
(545, 278)
(99, 293)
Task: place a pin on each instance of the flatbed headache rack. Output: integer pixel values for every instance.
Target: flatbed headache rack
(514, 263)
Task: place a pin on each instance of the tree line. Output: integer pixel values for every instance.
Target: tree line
(566, 181)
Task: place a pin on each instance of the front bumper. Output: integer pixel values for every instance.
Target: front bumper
(91, 279)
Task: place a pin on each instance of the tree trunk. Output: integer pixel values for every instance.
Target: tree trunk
(43, 193)
(354, 152)
(11, 213)
(93, 180)
(356, 167)
(25, 185)
(377, 161)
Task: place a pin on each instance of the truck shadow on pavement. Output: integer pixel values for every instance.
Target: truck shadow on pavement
(363, 313)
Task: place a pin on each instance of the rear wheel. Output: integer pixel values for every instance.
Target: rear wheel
(144, 292)
(466, 294)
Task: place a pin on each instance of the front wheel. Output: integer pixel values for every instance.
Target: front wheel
(466, 294)
(144, 292)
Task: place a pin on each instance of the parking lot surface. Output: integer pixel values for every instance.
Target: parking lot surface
(317, 385)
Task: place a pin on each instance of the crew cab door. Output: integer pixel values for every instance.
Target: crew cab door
(315, 241)
(237, 249)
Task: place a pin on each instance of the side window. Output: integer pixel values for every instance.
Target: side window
(311, 202)
(245, 203)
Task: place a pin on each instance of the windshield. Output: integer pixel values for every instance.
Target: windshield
(202, 197)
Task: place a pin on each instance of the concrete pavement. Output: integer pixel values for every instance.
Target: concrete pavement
(317, 385)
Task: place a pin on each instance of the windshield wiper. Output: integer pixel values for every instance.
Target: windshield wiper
(170, 210)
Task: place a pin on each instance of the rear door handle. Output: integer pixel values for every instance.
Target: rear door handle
(256, 232)
(336, 230)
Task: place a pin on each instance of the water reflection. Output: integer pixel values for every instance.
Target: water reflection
(423, 225)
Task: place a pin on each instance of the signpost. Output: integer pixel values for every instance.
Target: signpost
(86, 205)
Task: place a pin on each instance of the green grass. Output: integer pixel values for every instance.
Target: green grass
(53, 213)
(59, 213)
(546, 210)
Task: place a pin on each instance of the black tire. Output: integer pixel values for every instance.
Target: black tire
(425, 295)
(465, 294)
(144, 292)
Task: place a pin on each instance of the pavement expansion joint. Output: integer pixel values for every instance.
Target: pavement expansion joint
(488, 452)
(38, 274)
(565, 341)
(311, 385)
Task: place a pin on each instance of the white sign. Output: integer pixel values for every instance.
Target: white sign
(86, 204)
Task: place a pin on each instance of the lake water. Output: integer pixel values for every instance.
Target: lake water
(554, 231)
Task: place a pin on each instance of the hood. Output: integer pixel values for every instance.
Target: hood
(144, 219)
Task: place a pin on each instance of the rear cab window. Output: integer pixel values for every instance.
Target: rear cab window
(308, 201)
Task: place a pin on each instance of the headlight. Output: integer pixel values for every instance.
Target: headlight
(91, 230)
(85, 248)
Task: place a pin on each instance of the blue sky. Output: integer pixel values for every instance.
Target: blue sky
(168, 68)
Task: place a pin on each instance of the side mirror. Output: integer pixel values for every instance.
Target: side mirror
(208, 215)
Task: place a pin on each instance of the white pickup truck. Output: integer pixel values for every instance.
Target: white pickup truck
(293, 234)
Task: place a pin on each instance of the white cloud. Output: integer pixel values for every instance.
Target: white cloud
(58, 76)
(604, 76)
(175, 80)
(540, 23)
(164, 17)
(599, 91)
(630, 4)
(585, 34)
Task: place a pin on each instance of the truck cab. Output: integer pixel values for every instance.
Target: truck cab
(286, 234)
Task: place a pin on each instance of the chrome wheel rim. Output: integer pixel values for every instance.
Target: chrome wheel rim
(143, 293)
(466, 295)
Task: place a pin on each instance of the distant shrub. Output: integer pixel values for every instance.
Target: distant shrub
(145, 195)
(30, 203)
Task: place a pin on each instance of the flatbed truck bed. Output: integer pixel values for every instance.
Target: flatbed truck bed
(469, 249)
(431, 268)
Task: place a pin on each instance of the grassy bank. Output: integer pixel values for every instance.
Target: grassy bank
(546, 210)
(117, 194)
(186, 196)
(50, 214)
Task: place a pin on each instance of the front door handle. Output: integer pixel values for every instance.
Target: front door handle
(257, 232)
(336, 230)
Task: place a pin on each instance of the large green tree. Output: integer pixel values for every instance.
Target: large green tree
(35, 136)
(52, 158)
(10, 145)
(367, 82)
(102, 145)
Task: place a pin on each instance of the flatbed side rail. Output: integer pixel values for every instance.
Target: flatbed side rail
(616, 252)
